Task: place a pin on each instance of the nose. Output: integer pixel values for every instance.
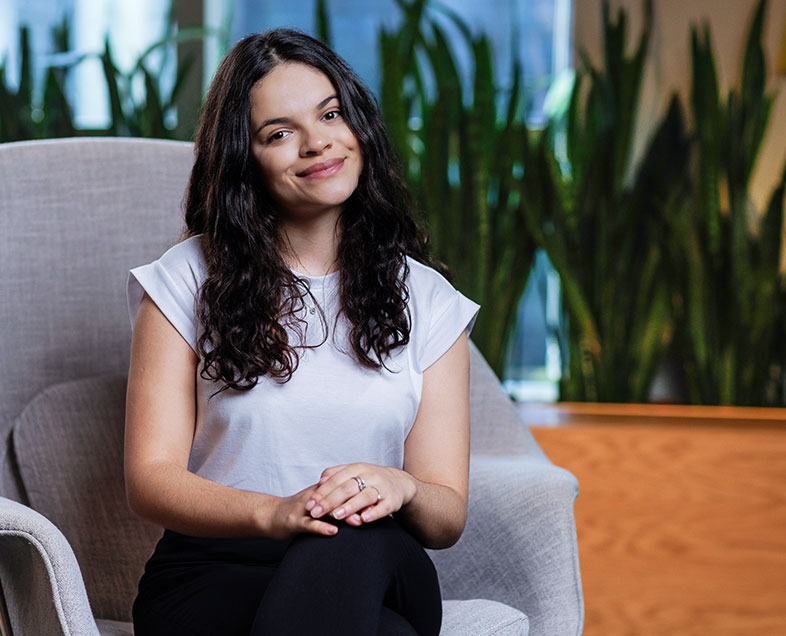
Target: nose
(315, 142)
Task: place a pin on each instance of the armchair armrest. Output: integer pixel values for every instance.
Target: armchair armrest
(41, 580)
(519, 545)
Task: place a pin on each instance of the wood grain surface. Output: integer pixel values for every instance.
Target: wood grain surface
(681, 519)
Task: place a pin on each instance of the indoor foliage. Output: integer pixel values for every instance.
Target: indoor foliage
(602, 222)
(670, 249)
(464, 158)
(137, 106)
(734, 289)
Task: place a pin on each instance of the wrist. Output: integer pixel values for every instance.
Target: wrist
(263, 513)
(411, 491)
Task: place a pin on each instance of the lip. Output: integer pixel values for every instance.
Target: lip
(323, 168)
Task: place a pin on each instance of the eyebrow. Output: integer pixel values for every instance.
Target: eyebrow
(287, 120)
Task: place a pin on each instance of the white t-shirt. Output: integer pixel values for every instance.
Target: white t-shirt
(278, 438)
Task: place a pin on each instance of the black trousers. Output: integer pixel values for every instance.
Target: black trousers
(375, 579)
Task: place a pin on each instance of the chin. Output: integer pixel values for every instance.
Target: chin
(339, 196)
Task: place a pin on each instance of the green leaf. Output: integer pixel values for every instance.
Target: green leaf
(323, 22)
(25, 91)
(772, 228)
(754, 71)
(183, 71)
(153, 112)
(58, 121)
(708, 122)
(118, 125)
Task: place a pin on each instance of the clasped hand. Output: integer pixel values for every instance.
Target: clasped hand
(338, 494)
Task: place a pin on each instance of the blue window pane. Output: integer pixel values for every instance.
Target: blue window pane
(540, 30)
(131, 27)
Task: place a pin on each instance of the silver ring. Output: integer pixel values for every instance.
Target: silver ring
(379, 494)
(361, 484)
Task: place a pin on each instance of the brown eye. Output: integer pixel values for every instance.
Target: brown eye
(279, 134)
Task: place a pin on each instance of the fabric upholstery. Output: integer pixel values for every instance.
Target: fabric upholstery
(77, 214)
(41, 580)
(497, 428)
(69, 442)
(519, 545)
(115, 628)
(482, 618)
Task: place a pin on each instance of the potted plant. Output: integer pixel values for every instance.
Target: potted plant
(734, 284)
(464, 160)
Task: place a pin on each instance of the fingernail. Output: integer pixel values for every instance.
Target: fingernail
(366, 516)
(337, 514)
(316, 511)
(310, 504)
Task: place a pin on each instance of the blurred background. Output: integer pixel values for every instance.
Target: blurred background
(606, 179)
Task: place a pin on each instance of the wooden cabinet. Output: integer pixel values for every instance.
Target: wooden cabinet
(681, 515)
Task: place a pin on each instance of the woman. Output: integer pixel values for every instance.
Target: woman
(297, 415)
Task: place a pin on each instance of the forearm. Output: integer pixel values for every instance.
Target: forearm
(435, 515)
(171, 496)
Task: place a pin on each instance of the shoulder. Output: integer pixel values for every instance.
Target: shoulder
(429, 291)
(172, 283)
(439, 312)
(181, 267)
(185, 260)
(423, 279)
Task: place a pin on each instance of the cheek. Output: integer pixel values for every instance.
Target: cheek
(348, 138)
(353, 144)
(270, 170)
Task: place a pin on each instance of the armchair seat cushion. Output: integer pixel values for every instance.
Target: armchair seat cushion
(114, 628)
(459, 618)
(480, 617)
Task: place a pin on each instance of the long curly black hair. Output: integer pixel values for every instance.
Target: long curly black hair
(250, 294)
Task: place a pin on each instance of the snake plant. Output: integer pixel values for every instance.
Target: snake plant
(602, 224)
(22, 116)
(141, 113)
(146, 114)
(734, 290)
(463, 158)
(16, 106)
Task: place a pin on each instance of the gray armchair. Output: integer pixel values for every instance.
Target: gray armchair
(76, 215)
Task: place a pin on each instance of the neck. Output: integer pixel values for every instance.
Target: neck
(310, 246)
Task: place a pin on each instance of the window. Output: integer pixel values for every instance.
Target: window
(541, 27)
(131, 26)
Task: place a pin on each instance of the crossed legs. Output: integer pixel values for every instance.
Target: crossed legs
(375, 579)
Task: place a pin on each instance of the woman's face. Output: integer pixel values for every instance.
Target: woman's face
(309, 158)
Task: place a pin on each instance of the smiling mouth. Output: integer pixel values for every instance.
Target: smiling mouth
(322, 169)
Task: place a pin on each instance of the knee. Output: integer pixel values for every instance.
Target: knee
(355, 542)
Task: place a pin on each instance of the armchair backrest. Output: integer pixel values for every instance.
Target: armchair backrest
(77, 214)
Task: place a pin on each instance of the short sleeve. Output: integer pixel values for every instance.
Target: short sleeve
(441, 313)
(172, 282)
